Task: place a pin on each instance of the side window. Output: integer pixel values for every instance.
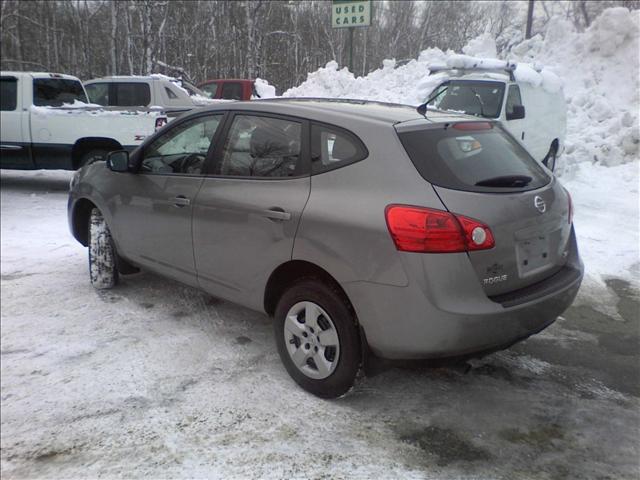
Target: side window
(262, 147)
(8, 94)
(210, 89)
(513, 98)
(132, 95)
(333, 148)
(98, 93)
(170, 93)
(232, 91)
(183, 149)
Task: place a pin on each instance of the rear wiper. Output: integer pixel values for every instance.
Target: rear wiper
(505, 181)
(479, 98)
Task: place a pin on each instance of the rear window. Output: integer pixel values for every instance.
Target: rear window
(8, 94)
(478, 158)
(54, 92)
(232, 91)
(131, 95)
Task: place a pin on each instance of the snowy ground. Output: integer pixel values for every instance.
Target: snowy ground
(155, 379)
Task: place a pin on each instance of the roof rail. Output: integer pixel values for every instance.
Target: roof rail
(508, 68)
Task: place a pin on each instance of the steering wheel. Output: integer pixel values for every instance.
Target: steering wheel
(192, 163)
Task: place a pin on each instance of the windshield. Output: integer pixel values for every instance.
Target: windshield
(478, 98)
(53, 92)
(473, 156)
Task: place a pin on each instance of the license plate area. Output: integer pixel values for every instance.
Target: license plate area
(533, 254)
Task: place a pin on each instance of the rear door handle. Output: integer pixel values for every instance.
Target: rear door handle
(181, 201)
(277, 214)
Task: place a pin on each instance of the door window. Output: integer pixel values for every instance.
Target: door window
(333, 148)
(183, 149)
(98, 93)
(210, 89)
(8, 94)
(513, 98)
(262, 147)
(131, 95)
(232, 91)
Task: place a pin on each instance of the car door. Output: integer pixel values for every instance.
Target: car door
(246, 214)
(14, 147)
(152, 218)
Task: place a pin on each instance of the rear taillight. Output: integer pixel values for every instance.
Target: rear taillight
(419, 229)
(160, 122)
(570, 216)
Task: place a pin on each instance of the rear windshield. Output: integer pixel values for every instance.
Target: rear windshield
(478, 98)
(53, 92)
(480, 158)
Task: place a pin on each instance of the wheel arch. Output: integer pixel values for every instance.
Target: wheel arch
(291, 271)
(86, 144)
(80, 220)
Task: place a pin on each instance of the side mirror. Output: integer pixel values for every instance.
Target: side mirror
(118, 161)
(517, 113)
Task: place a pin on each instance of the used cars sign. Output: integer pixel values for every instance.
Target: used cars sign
(349, 13)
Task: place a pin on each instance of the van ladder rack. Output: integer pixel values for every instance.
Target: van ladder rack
(509, 68)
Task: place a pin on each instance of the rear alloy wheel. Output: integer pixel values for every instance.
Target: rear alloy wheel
(550, 160)
(318, 339)
(102, 254)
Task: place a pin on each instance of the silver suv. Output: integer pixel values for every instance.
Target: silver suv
(362, 228)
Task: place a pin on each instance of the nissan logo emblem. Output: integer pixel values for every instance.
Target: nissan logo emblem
(539, 204)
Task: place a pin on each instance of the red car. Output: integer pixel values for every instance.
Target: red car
(229, 89)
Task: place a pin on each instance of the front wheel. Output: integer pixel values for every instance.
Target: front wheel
(102, 255)
(318, 339)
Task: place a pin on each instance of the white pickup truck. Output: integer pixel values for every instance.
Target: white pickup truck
(45, 122)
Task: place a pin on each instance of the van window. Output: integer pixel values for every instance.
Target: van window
(473, 159)
(98, 93)
(170, 93)
(131, 95)
(513, 98)
(333, 148)
(472, 97)
(54, 92)
(232, 91)
(8, 94)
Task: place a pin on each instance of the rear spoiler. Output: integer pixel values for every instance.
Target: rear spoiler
(507, 68)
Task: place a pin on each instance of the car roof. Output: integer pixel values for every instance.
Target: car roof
(324, 109)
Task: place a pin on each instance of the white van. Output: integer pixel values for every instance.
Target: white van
(536, 115)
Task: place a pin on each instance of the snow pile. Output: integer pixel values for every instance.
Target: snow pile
(600, 71)
(263, 89)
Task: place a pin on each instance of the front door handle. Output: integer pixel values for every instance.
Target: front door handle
(277, 214)
(181, 201)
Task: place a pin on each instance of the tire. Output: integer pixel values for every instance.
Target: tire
(94, 155)
(551, 158)
(314, 325)
(103, 270)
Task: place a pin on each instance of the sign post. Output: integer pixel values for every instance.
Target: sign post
(350, 14)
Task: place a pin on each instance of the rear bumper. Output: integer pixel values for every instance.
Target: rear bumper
(451, 316)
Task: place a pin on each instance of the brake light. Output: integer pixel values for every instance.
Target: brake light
(160, 122)
(473, 126)
(419, 229)
(570, 217)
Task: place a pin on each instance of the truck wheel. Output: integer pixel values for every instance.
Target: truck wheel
(95, 155)
(317, 338)
(550, 160)
(102, 255)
